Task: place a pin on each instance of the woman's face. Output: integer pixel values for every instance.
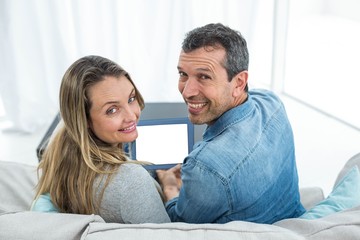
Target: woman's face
(114, 110)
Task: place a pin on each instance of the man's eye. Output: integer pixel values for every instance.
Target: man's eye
(131, 99)
(204, 77)
(182, 74)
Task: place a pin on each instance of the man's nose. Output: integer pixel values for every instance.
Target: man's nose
(190, 88)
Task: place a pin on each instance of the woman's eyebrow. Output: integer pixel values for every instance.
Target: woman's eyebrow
(117, 102)
(110, 102)
(132, 92)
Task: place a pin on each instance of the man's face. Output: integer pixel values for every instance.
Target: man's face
(204, 84)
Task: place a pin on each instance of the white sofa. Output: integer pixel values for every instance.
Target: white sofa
(17, 182)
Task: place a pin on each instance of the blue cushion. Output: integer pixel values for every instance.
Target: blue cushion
(345, 195)
(43, 204)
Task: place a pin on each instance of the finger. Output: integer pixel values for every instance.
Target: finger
(160, 174)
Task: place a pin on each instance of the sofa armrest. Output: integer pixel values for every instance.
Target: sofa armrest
(17, 186)
(38, 225)
(310, 196)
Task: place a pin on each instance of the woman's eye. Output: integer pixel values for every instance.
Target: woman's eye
(111, 111)
(131, 99)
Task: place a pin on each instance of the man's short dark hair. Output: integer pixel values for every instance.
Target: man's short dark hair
(217, 35)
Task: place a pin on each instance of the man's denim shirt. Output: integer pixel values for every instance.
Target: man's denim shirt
(244, 169)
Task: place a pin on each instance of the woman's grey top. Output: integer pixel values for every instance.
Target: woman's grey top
(132, 197)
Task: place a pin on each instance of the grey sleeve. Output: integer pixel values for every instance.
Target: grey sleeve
(132, 197)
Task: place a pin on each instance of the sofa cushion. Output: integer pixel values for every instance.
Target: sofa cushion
(339, 226)
(345, 195)
(236, 230)
(343, 225)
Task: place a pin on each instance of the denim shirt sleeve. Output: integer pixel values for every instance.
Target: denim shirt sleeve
(201, 192)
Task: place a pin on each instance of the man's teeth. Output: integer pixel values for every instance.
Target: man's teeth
(199, 105)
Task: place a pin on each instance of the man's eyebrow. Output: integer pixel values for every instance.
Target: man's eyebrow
(204, 69)
(197, 69)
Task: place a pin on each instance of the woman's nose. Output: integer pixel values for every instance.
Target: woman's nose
(129, 114)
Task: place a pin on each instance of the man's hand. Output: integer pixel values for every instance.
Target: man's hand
(170, 181)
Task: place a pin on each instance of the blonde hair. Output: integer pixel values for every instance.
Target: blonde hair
(75, 156)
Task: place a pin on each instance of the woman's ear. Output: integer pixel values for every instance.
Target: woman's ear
(240, 82)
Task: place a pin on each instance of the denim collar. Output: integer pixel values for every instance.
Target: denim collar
(229, 118)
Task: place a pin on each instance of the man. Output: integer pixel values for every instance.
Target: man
(244, 168)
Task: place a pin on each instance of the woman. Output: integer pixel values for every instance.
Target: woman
(84, 169)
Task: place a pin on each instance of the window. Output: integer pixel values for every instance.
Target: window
(322, 57)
